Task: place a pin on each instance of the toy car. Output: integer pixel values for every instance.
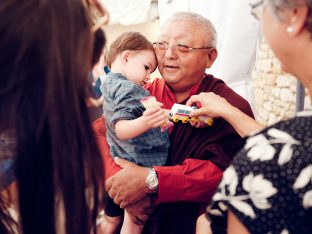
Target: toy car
(182, 112)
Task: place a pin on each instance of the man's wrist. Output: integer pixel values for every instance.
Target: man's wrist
(152, 181)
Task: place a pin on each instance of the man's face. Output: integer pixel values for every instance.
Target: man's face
(181, 70)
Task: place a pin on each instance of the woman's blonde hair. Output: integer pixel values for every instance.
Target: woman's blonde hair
(98, 13)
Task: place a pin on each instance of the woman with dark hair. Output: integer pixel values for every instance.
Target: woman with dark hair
(46, 50)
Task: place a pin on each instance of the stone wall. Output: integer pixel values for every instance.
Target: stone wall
(274, 90)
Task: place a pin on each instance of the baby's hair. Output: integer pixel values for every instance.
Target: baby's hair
(127, 41)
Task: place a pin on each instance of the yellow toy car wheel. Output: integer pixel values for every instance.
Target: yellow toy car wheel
(184, 120)
(210, 121)
(175, 118)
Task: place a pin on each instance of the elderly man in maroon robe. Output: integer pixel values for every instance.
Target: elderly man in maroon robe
(180, 190)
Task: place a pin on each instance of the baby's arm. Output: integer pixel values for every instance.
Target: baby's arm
(151, 118)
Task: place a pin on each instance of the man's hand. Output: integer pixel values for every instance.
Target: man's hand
(139, 212)
(128, 185)
(198, 124)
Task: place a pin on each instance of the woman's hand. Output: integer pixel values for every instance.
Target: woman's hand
(211, 105)
(216, 106)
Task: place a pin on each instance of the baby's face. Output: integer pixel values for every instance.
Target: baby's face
(140, 65)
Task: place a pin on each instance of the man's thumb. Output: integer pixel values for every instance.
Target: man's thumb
(120, 162)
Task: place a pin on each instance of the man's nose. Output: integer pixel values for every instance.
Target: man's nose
(170, 52)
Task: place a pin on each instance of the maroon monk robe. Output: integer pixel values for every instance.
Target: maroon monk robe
(217, 143)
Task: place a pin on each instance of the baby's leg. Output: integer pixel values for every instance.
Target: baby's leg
(129, 227)
(112, 217)
(109, 225)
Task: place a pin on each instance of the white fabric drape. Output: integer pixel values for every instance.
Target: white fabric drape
(238, 34)
(127, 12)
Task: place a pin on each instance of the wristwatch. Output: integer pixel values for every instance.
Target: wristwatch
(152, 180)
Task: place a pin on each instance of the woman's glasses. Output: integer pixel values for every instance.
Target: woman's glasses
(256, 9)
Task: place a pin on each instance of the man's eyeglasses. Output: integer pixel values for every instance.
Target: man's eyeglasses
(256, 9)
(182, 49)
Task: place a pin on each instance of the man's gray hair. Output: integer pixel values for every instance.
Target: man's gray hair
(204, 24)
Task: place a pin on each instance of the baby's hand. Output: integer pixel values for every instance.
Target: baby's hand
(155, 117)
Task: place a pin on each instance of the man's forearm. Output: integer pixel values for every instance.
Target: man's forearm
(195, 181)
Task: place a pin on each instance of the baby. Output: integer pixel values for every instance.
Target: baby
(133, 133)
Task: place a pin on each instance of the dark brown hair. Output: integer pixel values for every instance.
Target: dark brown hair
(98, 45)
(127, 41)
(46, 48)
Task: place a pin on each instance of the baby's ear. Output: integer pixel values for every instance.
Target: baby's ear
(125, 55)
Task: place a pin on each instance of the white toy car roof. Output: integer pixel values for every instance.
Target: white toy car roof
(178, 108)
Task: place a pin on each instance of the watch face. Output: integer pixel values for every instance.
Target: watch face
(153, 182)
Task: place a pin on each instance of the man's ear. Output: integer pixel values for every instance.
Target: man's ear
(125, 56)
(212, 56)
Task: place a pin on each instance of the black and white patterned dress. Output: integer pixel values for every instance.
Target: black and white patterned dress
(269, 184)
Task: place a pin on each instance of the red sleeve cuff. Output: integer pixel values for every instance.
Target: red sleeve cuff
(195, 181)
(173, 192)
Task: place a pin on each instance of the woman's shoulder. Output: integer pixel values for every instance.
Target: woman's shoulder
(270, 179)
(280, 142)
(298, 126)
